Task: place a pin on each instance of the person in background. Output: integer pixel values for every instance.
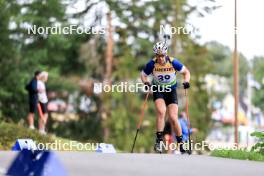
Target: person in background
(31, 87)
(184, 126)
(43, 100)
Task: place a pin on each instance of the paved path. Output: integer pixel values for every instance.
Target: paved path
(81, 163)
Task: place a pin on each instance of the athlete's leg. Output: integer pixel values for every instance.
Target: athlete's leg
(161, 113)
(172, 102)
(160, 122)
(173, 117)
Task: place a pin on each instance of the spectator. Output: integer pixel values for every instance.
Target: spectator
(43, 100)
(31, 87)
(184, 126)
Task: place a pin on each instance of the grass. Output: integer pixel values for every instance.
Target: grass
(238, 154)
(10, 132)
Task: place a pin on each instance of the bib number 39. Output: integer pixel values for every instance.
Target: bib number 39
(163, 77)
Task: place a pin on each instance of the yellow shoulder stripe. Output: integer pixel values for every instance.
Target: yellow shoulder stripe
(171, 59)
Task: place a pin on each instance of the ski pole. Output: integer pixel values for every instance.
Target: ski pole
(140, 120)
(189, 123)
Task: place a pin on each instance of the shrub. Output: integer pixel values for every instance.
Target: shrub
(9, 133)
(259, 146)
(238, 154)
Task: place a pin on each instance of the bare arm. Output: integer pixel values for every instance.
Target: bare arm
(144, 77)
(186, 74)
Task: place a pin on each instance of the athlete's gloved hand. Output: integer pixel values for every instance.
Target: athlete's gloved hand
(186, 85)
(148, 84)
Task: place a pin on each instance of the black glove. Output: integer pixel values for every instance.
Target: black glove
(186, 85)
(148, 85)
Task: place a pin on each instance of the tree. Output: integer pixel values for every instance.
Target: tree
(258, 96)
(222, 64)
(66, 56)
(24, 52)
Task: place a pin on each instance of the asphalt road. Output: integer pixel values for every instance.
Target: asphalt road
(96, 164)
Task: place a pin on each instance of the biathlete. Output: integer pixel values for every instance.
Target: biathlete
(163, 69)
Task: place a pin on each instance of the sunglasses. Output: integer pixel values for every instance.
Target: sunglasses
(160, 55)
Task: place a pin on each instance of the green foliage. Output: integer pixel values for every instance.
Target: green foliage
(11, 132)
(258, 98)
(222, 64)
(131, 57)
(23, 53)
(69, 57)
(238, 154)
(87, 128)
(222, 58)
(259, 146)
(124, 120)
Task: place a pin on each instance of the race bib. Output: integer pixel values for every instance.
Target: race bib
(164, 74)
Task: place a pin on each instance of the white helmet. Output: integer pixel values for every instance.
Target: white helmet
(160, 48)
